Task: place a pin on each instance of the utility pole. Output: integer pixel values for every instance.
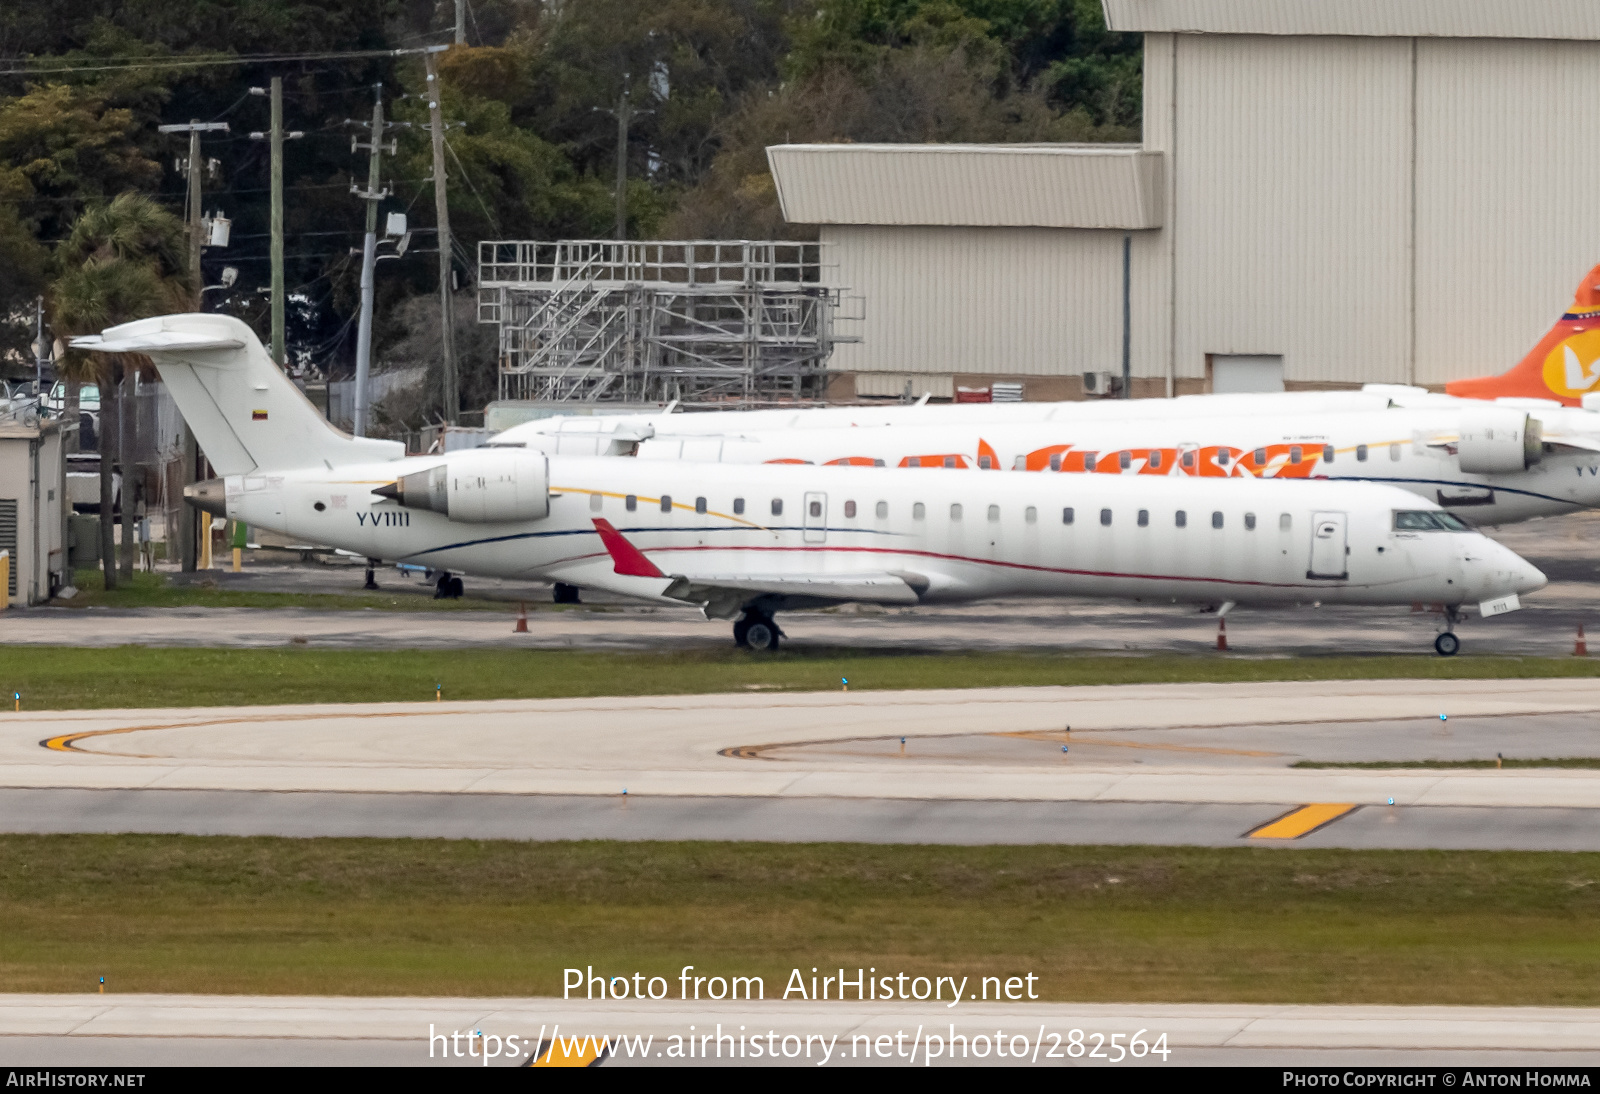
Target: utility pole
(276, 248)
(461, 22)
(441, 206)
(277, 136)
(369, 255)
(187, 525)
(40, 347)
(624, 115)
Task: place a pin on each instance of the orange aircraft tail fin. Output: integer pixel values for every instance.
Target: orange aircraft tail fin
(1565, 365)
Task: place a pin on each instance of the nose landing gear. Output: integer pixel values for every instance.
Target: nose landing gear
(1447, 644)
(756, 631)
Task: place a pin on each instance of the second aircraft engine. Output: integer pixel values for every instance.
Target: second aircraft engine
(1498, 440)
(483, 486)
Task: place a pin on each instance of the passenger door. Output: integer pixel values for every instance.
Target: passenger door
(1329, 550)
(814, 522)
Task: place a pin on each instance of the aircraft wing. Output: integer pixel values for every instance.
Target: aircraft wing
(1576, 444)
(724, 595)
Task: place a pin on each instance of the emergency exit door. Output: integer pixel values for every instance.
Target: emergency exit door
(1329, 549)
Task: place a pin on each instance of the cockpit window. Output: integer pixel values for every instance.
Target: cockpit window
(1422, 520)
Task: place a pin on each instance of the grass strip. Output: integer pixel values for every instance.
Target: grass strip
(462, 917)
(1586, 762)
(68, 677)
(156, 590)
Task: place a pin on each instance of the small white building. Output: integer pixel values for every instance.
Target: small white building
(33, 507)
(1326, 194)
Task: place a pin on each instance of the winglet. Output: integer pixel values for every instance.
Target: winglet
(629, 560)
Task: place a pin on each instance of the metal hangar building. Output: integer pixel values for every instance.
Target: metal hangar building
(1325, 194)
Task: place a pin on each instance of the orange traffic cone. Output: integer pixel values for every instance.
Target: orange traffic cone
(1580, 648)
(522, 619)
(1222, 634)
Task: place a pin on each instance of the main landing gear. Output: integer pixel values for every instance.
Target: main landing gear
(1447, 644)
(448, 588)
(756, 631)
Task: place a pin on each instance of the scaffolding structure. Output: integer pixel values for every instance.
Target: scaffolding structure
(740, 321)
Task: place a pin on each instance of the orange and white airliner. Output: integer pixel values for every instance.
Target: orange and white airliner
(1497, 449)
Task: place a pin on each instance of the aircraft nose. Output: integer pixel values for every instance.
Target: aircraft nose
(1528, 577)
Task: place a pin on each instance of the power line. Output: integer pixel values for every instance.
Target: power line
(237, 59)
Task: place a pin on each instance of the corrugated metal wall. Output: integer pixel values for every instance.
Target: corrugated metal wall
(1009, 301)
(1093, 186)
(1293, 188)
(1509, 190)
(1428, 18)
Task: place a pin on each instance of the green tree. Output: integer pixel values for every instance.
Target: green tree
(124, 260)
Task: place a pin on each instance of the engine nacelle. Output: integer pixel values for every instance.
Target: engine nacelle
(1498, 440)
(483, 486)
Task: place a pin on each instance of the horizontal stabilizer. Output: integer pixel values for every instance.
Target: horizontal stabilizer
(156, 341)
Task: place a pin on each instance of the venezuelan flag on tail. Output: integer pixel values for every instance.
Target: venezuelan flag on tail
(1565, 365)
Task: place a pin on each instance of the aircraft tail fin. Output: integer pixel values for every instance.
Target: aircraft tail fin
(244, 411)
(1565, 365)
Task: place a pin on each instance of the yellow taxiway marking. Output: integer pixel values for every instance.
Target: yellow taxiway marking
(577, 1052)
(1306, 819)
(1067, 738)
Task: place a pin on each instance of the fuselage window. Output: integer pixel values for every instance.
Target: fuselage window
(1066, 516)
(1222, 457)
(1155, 460)
(777, 507)
(1105, 516)
(877, 463)
(666, 503)
(816, 508)
(1020, 463)
(699, 505)
(595, 502)
(1327, 453)
(1361, 453)
(1124, 460)
(738, 507)
(1188, 459)
(985, 463)
(849, 508)
(1144, 518)
(1261, 458)
(1031, 515)
(630, 503)
(918, 511)
(1055, 462)
(1180, 519)
(883, 510)
(1090, 459)
(955, 511)
(1249, 522)
(914, 461)
(949, 461)
(1216, 519)
(1394, 452)
(994, 513)
(1285, 522)
(1295, 454)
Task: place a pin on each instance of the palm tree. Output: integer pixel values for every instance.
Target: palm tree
(123, 261)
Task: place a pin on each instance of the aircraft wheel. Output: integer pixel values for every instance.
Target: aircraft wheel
(457, 589)
(741, 632)
(761, 634)
(1447, 644)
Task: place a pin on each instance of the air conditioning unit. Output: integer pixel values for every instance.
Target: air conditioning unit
(1000, 392)
(1101, 384)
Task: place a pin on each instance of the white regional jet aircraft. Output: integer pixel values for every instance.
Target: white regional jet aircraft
(1492, 462)
(741, 541)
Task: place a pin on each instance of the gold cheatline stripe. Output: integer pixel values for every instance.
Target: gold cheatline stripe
(1308, 818)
